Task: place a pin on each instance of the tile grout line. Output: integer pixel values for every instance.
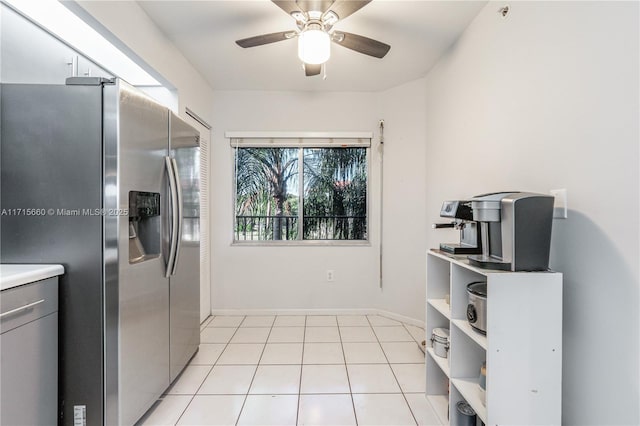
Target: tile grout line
(256, 371)
(299, 393)
(394, 376)
(423, 349)
(206, 322)
(193, 397)
(210, 370)
(353, 403)
(310, 393)
(205, 378)
(344, 356)
(304, 338)
(212, 366)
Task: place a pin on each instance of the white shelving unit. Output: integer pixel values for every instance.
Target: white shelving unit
(522, 347)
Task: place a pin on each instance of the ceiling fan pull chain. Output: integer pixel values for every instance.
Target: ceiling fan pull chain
(324, 71)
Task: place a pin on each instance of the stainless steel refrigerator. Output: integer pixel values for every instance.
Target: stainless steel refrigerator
(104, 180)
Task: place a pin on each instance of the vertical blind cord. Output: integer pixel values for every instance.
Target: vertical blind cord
(381, 150)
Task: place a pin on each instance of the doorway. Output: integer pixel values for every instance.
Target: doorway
(205, 241)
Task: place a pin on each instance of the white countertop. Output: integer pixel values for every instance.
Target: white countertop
(15, 275)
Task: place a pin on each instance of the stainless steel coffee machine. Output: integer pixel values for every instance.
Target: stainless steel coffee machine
(462, 215)
(515, 229)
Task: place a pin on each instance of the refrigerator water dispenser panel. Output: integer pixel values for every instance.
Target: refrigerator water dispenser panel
(144, 226)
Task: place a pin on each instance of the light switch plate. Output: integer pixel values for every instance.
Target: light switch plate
(559, 203)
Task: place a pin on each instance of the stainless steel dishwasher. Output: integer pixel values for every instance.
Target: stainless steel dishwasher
(29, 353)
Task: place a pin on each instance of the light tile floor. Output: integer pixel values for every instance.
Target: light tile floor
(301, 370)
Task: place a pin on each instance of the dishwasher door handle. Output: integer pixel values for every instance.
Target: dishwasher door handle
(21, 308)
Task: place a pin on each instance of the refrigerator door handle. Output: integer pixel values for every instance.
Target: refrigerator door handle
(180, 214)
(173, 242)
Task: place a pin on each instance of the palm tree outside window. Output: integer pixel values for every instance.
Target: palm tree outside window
(296, 194)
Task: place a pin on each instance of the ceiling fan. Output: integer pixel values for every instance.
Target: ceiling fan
(315, 20)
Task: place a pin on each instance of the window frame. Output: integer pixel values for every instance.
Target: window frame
(300, 141)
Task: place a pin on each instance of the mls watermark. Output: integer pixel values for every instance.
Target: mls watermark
(64, 212)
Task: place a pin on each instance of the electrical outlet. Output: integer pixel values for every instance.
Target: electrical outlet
(559, 203)
(330, 277)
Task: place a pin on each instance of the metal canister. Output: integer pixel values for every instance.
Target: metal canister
(440, 342)
(466, 414)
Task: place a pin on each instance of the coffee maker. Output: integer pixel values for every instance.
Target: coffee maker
(515, 229)
(460, 211)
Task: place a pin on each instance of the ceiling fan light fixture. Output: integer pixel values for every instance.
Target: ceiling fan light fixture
(314, 45)
(315, 20)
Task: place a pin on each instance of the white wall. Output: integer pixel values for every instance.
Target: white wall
(294, 277)
(130, 28)
(289, 277)
(548, 98)
(403, 109)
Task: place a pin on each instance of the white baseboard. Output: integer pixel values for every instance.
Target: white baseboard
(357, 311)
(294, 311)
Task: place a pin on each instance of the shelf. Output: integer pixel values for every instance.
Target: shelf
(440, 404)
(463, 261)
(463, 325)
(470, 391)
(443, 363)
(441, 306)
(514, 356)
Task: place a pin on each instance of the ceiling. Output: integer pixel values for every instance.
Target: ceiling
(418, 31)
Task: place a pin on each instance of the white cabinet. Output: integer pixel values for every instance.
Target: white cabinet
(29, 353)
(522, 347)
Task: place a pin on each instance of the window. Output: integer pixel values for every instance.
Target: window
(313, 191)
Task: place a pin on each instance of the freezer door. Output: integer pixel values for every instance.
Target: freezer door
(184, 286)
(136, 137)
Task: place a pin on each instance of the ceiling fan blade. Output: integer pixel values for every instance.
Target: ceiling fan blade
(288, 6)
(310, 70)
(344, 8)
(361, 44)
(265, 39)
(315, 5)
